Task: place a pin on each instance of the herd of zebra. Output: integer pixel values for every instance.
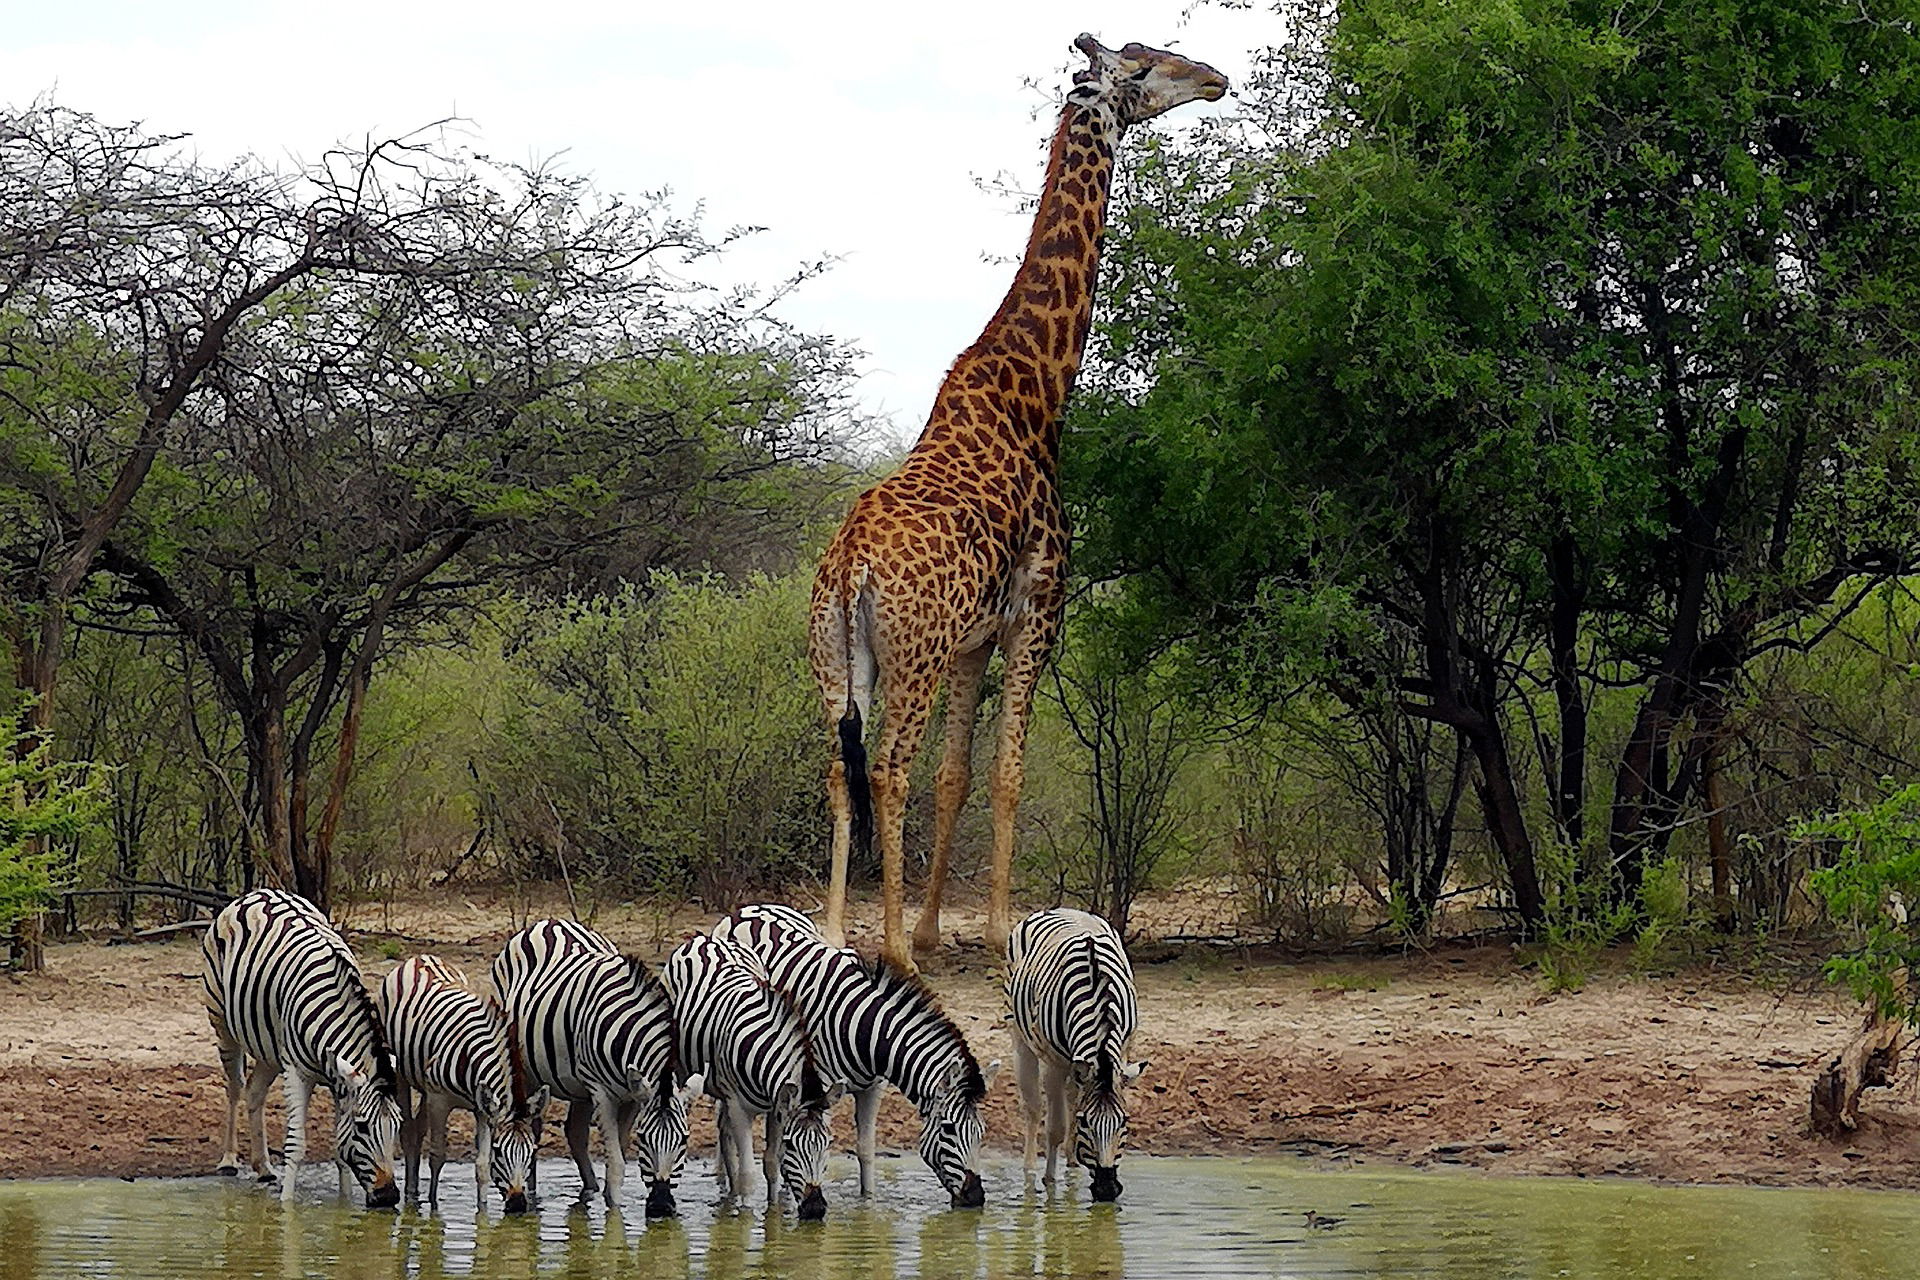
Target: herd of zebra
(760, 1014)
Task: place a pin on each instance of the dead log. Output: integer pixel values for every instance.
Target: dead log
(1869, 1061)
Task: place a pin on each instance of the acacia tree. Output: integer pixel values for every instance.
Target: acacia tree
(1573, 349)
(476, 372)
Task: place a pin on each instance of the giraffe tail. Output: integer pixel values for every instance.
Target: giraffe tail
(853, 758)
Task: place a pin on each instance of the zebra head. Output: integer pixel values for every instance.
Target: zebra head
(951, 1129)
(366, 1125)
(515, 1146)
(1100, 1120)
(515, 1119)
(661, 1135)
(802, 1107)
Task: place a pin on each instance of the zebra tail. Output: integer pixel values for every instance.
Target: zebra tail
(853, 759)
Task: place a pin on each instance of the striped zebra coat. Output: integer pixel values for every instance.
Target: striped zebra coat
(597, 1029)
(752, 1049)
(453, 1047)
(873, 1025)
(1071, 995)
(282, 989)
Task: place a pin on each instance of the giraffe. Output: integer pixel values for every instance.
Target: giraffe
(963, 549)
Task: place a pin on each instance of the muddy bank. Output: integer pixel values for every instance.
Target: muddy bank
(1456, 1057)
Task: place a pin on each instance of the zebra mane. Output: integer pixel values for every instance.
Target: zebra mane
(643, 977)
(892, 979)
(811, 1085)
(516, 1066)
(1103, 1011)
(356, 992)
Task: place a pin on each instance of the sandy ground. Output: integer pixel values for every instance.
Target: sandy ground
(1455, 1056)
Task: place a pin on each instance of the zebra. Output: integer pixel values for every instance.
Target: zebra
(754, 1052)
(283, 989)
(455, 1048)
(597, 1029)
(1070, 991)
(874, 1024)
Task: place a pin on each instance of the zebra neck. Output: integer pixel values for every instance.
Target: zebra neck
(917, 1049)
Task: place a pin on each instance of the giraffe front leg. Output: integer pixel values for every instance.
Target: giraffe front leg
(951, 784)
(1026, 649)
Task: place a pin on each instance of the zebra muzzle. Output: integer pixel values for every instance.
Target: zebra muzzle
(384, 1195)
(1106, 1182)
(971, 1195)
(660, 1200)
(813, 1206)
(516, 1201)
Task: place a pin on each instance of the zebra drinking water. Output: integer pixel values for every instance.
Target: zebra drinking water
(753, 1050)
(1070, 988)
(455, 1048)
(282, 988)
(597, 1029)
(872, 1025)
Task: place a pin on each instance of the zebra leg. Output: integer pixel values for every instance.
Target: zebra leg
(299, 1091)
(770, 1156)
(438, 1108)
(1058, 1110)
(1026, 1069)
(260, 1078)
(579, 1118)
(607, 1116)
(866, 1115)
(410, 1137)
(739, 1122)
(233, 1068)
(722, 1150)
(482, 1155)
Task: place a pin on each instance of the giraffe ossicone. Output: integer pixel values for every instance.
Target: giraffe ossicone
(963, 549)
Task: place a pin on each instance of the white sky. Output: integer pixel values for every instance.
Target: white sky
(848, 129)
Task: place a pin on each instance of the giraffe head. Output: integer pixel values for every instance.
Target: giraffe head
(1140, 82)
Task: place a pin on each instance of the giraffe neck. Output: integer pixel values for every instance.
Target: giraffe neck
(1042, 324)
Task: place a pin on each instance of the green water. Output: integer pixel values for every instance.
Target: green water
(1179, 1218)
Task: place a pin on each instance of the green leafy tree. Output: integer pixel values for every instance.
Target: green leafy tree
(43, 803)
(1512, 352)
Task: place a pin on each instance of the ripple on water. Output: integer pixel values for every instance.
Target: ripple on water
(1179, 1218)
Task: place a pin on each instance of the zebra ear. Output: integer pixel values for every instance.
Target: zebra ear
(787, 1098)
(1084, 1073)
(538, 1102)
(991, 1070)
(835, 1091)
(346, 1073)
(691, 1089)
(1130, 1071)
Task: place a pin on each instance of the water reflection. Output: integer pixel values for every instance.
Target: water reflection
(1186, 1218)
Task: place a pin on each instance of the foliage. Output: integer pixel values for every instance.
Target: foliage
(43, 802)
(1871, 886)
(666, 737)
(1550, 354)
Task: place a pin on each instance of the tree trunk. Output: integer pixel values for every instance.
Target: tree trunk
(1868, 1061)
(1563, 636)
